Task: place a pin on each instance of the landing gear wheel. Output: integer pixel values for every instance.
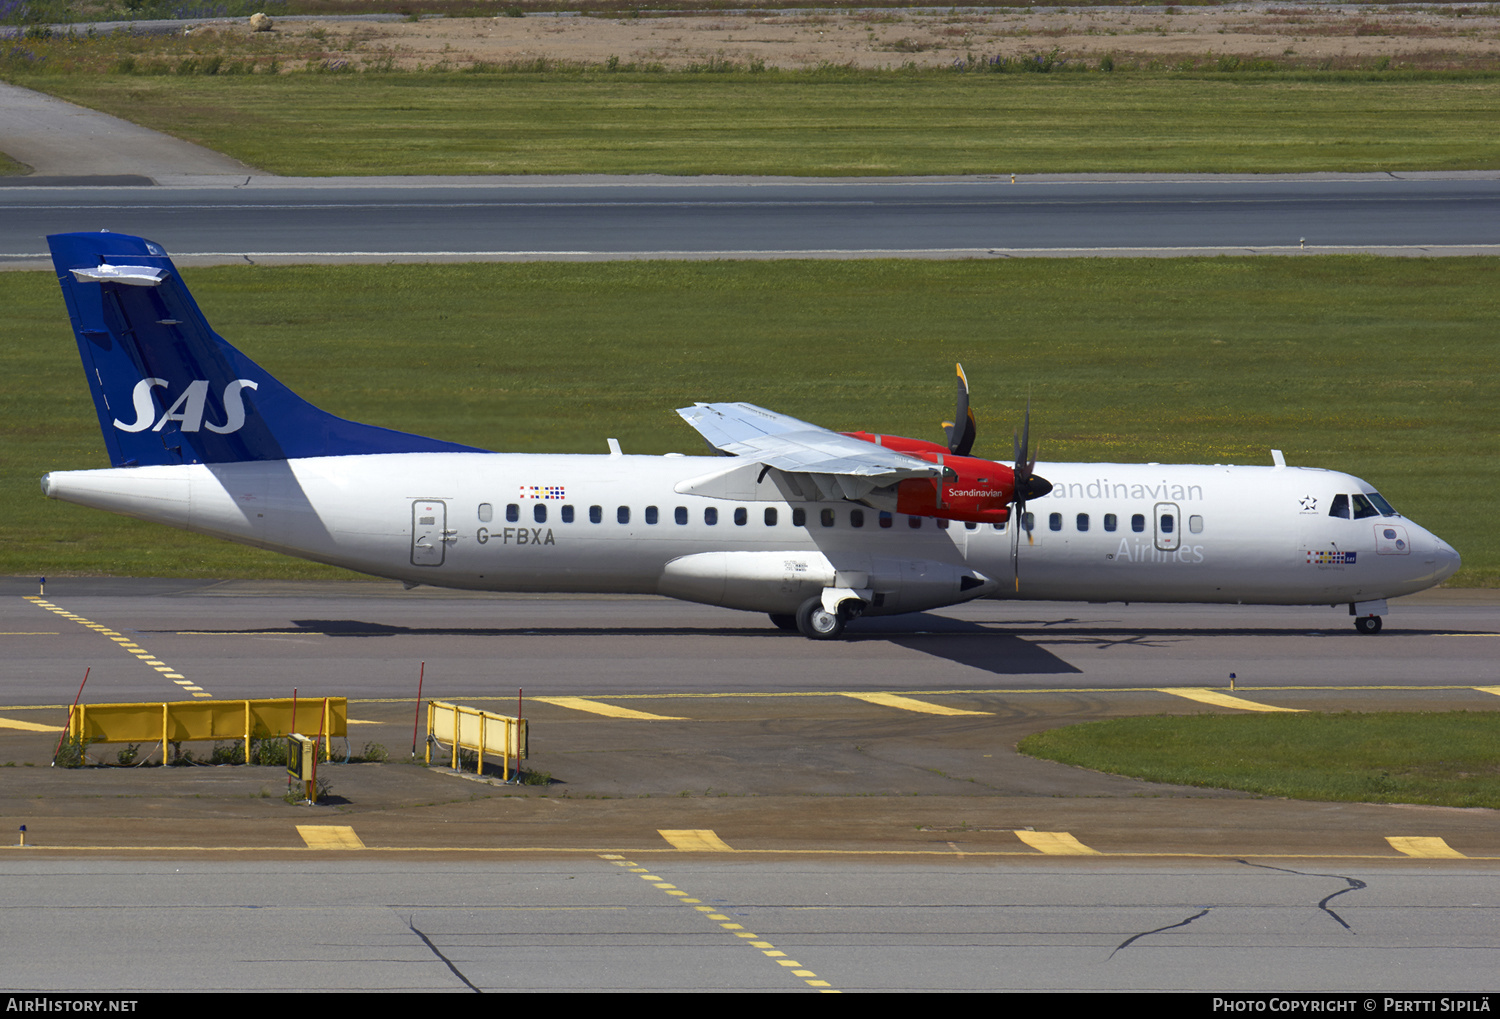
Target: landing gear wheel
(784, 621)
(817, 623)
(1367, 624)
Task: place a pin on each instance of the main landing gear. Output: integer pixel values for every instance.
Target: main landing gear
(1367, 624)
(816, 622)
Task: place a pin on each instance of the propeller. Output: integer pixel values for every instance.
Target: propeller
(961, 435)
(1027, 486)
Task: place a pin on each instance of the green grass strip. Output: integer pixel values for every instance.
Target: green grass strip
(835, 124)
(1386, 368)
(1449, 759)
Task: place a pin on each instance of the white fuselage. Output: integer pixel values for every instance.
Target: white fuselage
(698, 528)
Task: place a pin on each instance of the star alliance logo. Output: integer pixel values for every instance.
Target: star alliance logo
(1309, 504)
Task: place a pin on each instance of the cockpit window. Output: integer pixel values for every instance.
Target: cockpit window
(1340, 507)
(1363, 507)
(1385, 508)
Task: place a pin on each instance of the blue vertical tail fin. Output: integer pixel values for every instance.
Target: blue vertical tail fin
(168, 389)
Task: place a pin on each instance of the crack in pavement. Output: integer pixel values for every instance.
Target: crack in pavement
(446, 961)
(1181, 923)
(1355, 884)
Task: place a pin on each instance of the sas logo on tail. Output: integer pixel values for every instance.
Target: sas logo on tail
(189, 408)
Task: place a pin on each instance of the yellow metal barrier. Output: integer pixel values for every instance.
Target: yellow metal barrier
(186, 721)
(480, 731)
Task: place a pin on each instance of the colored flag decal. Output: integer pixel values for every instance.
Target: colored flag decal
(543, 492)
(1331, 558)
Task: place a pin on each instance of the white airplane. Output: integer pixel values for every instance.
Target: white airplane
(810, 526)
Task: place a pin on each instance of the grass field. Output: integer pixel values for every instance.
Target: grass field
(1383, 367)
(838, 123)
(1446, 759)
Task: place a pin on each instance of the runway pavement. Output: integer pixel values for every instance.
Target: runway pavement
(855, 808)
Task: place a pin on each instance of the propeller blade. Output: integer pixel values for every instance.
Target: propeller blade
(961, 431)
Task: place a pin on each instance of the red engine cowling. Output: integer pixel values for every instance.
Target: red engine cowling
(899, 444)
(971, 490)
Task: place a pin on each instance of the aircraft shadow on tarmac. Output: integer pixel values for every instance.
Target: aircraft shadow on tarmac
(1007, 648)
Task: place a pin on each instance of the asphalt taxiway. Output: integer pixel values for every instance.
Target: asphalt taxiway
(727, 807)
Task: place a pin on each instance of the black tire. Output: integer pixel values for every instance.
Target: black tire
(785, 621)
(817, 623)
(1367, 624)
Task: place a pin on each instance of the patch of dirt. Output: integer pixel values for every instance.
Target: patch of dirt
(1448, 37)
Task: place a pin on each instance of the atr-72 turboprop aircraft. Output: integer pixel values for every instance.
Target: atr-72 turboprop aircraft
(811, 526)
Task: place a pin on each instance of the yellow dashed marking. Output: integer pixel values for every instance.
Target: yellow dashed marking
(694, 840)
(1055, 843)
(329, 836)
(1219, 700)
(1425, 846)
(600, 708)
(11, 723)
(890, 700)
(125, 643)
(738, 930)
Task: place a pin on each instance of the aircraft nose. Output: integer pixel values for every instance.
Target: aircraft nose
(1447, 559)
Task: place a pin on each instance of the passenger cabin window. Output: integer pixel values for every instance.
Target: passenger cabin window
(826, 518)
(512, 513)
(885, 519)
(856, 518)
(623, 514)
(770, 516)
(710, 515)
(1028, 522)
(970, 525)
(486, 513)
(680, 514)
(914, 522)
(799, 518)
(1168, 523)
(1195, 524)
(567, 514)
(1054, 521)
(1083, 521)
(539, 513)
(1138, 523)
(1111, 522)
(596, 514)
(741, 516)
(651, 514)
(942, 524)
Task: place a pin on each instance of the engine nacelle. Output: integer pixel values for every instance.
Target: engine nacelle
(971, 490)
(899, 443)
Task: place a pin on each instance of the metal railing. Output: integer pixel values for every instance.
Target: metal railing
(483, 732)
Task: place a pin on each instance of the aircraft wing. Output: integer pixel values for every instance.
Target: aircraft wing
(797, 447)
